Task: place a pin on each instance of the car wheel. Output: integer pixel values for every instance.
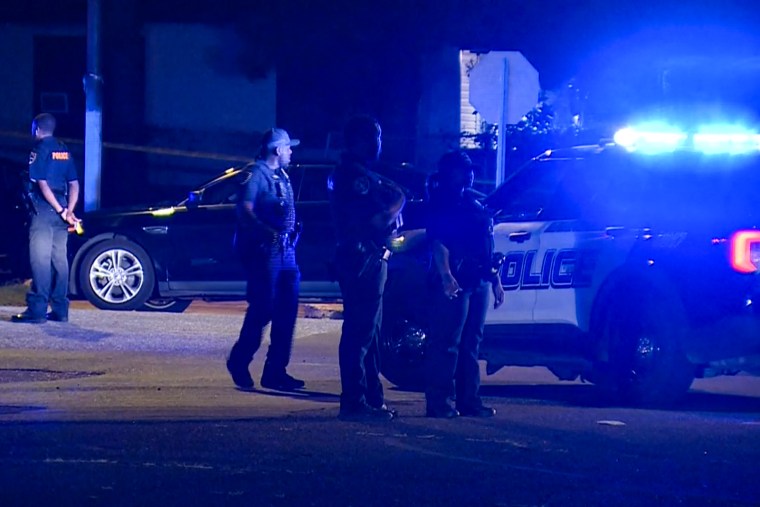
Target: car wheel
(404, 337)
(169, 305)
(647, 363)
(117, 275)
(402, 354)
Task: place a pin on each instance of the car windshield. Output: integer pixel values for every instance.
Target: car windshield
(616, 186)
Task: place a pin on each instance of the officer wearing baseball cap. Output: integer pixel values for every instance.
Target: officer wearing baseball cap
(266, 239)
(460, 231)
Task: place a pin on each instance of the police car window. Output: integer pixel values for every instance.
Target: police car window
(223, 191)
(574, 193)
(654, 190)
(535, 193)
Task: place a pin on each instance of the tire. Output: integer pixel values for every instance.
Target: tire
(402, 354)
(647, 364)
(117, 274)
(404, 337)
(169, 305)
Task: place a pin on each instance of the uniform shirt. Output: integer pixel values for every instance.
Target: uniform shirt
(272, 197)
(465, 228)
(51, 160)
(356, 195)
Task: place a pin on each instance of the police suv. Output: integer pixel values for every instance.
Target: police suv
(632, 264)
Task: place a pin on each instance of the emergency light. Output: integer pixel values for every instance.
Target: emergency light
(163, 212)
(655, 138)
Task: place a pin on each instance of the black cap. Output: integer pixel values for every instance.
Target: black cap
(454, 161)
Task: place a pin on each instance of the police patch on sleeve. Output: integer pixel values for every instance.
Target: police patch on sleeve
(361, 185)
(32, 157)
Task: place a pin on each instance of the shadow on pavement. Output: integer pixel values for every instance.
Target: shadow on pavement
(73, 332)
(301, 394)
(18, 409)
(588, 395)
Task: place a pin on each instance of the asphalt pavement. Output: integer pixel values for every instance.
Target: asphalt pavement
(132, 408)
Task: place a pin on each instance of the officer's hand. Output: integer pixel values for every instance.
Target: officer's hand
(71, 218)
(450, 286)
(498, 294)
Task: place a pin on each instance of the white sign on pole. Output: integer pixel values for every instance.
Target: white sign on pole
(504, 86)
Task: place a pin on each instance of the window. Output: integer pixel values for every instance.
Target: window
(223, 191)
(310, 182)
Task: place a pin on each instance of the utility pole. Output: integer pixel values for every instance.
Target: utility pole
(93, 131)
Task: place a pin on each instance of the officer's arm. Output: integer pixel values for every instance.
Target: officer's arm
(443, 268)
(248, 216)
(246, 206)
(392, 202)
(50, 197)
(441, 258)
(73, 200)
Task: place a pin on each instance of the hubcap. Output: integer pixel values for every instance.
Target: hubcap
(116, 276)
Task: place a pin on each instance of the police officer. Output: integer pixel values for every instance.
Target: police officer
(460, 230)
(366, 209)
(53, 192)
(266, 239)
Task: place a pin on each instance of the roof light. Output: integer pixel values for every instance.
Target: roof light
(726, 139)
(651, 138)
(656, 138)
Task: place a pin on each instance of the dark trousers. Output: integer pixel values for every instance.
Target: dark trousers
(48, 238)
(273, 282)
(361, 282)
(456, 331)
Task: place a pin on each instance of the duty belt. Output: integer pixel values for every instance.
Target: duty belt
(382, 252)
(282, 239)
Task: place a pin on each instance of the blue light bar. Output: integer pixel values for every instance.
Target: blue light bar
(711, 139)
(651, 138)
(727, 139)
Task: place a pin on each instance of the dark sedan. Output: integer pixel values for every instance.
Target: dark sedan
(162, 258)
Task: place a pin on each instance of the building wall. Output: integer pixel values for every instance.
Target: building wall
(17, 83)
(438, 115)
(16, 77)
(185, 90)
(17, 71)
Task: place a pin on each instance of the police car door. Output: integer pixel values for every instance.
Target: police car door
(518, 228)
(577, 248)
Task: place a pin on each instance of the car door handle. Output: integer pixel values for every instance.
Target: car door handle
(156, 229)
(519, 237)
(614, 232)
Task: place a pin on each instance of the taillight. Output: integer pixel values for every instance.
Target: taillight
(745, 251)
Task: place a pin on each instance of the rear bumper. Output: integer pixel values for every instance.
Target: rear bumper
(732, 343)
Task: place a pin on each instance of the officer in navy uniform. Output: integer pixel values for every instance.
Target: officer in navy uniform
(366, 209)
(460, 231)
(53, 191)
(266, 240)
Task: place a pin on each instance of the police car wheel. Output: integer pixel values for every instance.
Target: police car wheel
(647, 364)
(169, 305)
(117, 274)
(403, 339)
(402, 352)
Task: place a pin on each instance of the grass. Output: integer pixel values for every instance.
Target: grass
(13, 293)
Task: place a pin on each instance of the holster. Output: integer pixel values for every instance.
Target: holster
(368, 255)
(26, 198)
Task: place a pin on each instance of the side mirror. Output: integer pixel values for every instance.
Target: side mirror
(194, 198)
